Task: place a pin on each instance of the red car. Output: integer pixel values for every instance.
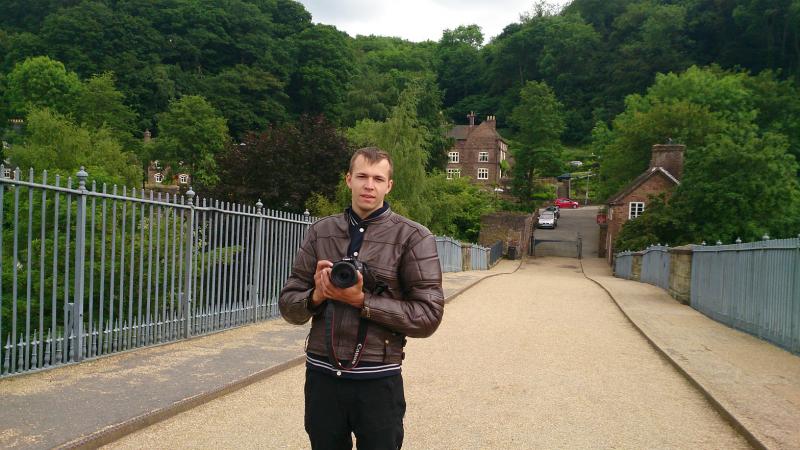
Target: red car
(566, 203)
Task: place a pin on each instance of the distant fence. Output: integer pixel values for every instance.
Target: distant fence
(754, 287)
(88, 270)
(455, 256)
(656, 265)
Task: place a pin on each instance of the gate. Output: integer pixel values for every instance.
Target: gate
(568, 248)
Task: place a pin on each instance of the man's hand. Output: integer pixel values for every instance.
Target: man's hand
(324, 288)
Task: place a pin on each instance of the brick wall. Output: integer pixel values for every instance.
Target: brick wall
(618, 212)
(482, 138)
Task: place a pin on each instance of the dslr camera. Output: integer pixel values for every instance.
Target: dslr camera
(344, 274)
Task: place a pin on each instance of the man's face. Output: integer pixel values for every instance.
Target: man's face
(369, 184)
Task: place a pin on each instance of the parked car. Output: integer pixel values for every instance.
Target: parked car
(555, 210)
(547, 220)
(566, 203)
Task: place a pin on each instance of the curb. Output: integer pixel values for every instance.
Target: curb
(727, 414)
(453, 297)
(122, 429)
(115, 432)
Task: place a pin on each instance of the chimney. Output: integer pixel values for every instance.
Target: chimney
(669, 157)
(471, 117)
(491, 121)
(147, 136)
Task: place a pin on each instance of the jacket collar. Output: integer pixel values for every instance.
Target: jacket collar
(377, 216)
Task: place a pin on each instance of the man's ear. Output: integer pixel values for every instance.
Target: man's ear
(347, 178)
(391, 183)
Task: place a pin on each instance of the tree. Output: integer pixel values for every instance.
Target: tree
(249, 97)
(404, 138)
(539, 122)
(458, 63)
(281, 166)
(686, 107)
(319, 84)
(54, 143)
(459, 205)
(192, 133)
(99, 104)
(40, 82)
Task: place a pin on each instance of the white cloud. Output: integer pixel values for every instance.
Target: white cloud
(417, 20)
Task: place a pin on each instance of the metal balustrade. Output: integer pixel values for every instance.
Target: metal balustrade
(89, 270)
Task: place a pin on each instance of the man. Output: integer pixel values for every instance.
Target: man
(355, 347)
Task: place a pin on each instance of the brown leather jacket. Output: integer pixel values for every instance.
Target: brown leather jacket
(399, 252)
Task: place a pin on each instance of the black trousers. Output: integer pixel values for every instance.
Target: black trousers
(373, 410)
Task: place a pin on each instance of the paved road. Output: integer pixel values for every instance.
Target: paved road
(541, 358)
(571, 222)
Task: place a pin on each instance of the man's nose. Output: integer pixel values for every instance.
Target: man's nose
(370, 184)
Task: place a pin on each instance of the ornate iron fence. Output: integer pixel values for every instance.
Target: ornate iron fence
(88, 271)
(91, 270)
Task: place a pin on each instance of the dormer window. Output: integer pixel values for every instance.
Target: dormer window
(158, 177)
(183, 178)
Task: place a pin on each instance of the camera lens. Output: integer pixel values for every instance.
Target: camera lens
(344, 274)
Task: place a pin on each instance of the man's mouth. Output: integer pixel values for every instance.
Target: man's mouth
(368, 197)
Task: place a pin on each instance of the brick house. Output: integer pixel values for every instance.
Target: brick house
(664, 173)
(478, 152)
(163, 178)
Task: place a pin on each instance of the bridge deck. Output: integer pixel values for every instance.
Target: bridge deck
(540, 358)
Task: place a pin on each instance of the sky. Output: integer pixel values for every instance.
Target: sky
(418, 20)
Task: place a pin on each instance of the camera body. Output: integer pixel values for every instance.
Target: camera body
(344, 274)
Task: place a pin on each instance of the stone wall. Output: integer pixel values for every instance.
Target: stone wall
(512, 228)
(680, 273)
(636, 267)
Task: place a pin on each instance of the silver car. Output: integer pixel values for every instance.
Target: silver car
(547, 220)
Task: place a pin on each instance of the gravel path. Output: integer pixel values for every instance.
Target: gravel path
(538, 359)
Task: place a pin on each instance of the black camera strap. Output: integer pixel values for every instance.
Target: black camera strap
(361, 339)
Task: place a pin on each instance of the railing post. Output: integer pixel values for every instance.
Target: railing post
(187, 278)
(80, 255)
(255, 289)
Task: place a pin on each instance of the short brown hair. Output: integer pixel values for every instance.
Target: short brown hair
(373, 155)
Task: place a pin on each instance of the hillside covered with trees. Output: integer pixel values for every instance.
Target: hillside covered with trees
(254, 97)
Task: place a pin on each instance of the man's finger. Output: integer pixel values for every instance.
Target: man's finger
(323, 264)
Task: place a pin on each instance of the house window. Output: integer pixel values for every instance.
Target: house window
(483, 157)
(483, 173)
(6, 173)
(158, 177)
(635, 209)
(452, 157)
(453, 173)
(183, 178)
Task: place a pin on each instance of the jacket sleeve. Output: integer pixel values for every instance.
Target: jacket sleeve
(419, 313)
(293, 300)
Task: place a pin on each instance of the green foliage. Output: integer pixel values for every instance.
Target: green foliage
(540, 122)
(403, 137)
(739, 185)
(319, 84)
(40, 82)
(99, 104)
(657, 225)
(53, 142)
(192, 133)
(459, 206)
(284, 165)
(740, 177)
